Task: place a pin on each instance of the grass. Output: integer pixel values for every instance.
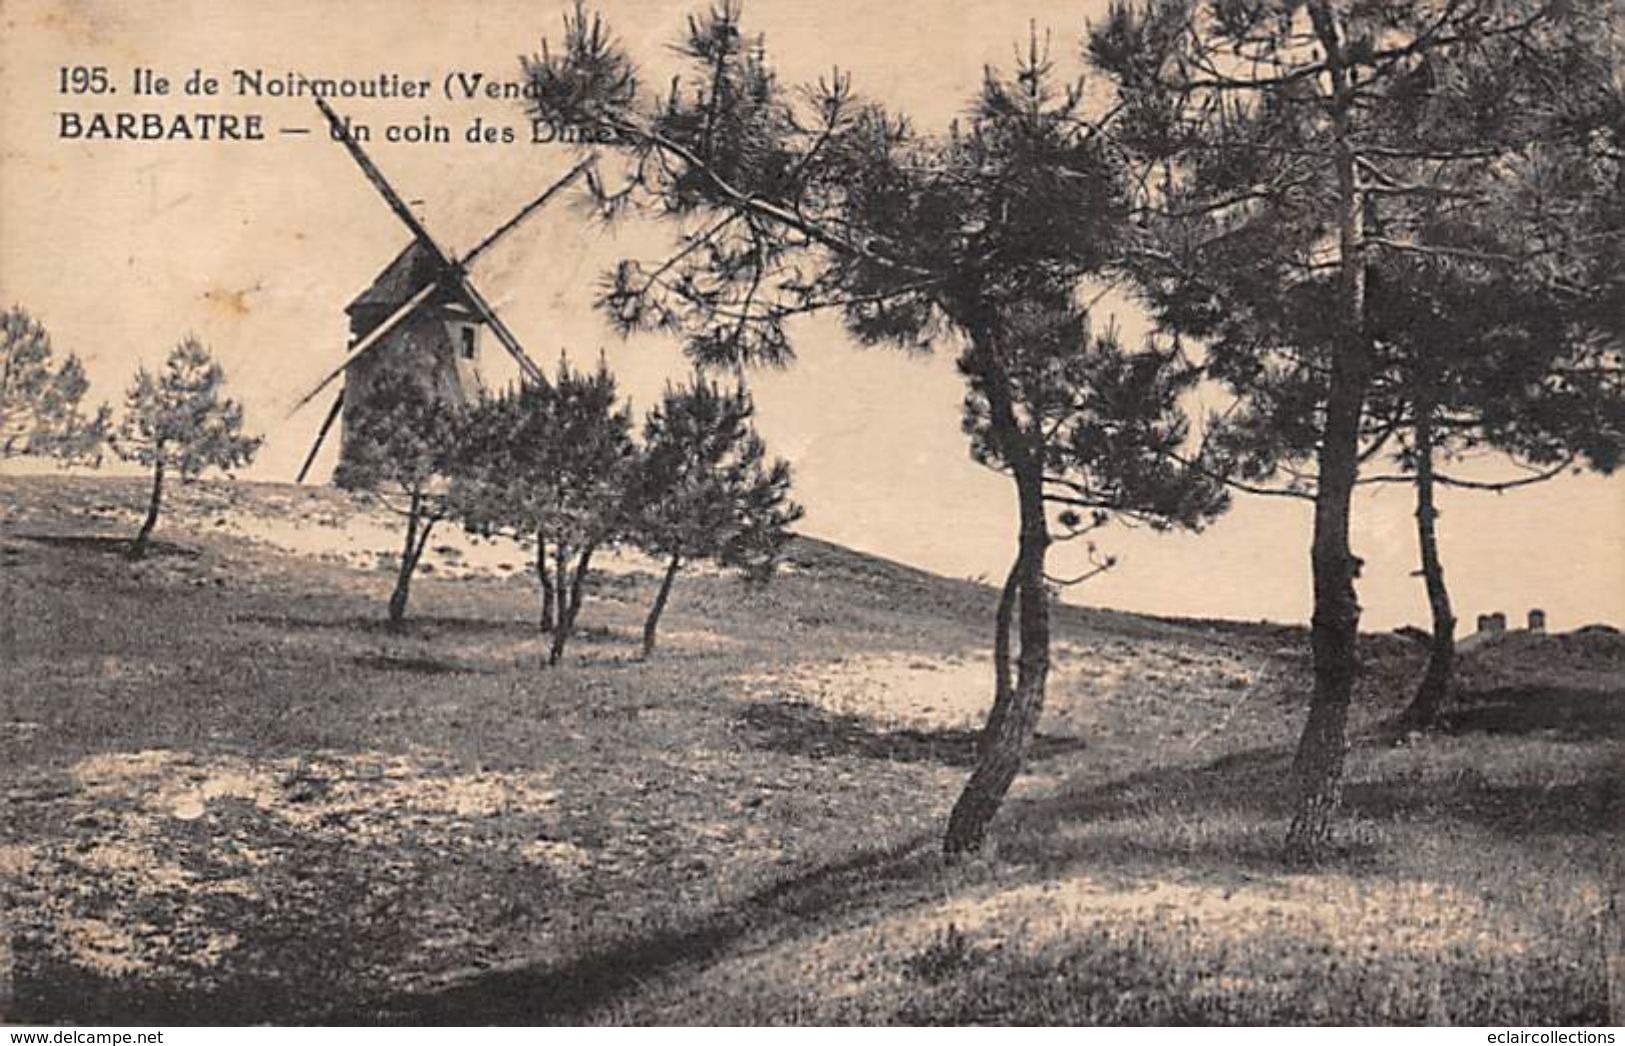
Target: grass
(232, 796)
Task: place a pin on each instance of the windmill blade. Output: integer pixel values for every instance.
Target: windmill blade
(526, 365)
(529, 209)
(376, 177)
(321, 434)
(372, 338)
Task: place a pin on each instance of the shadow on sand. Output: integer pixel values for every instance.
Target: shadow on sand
(110, 545)
(48, 990)
(804, 730)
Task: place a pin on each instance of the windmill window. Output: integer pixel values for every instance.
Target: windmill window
(467, 334)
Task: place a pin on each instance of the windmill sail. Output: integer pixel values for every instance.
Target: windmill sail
(380, 183)
(373, 337)
(529, 209)
(321, 434)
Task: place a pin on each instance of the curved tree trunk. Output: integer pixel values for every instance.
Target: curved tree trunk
(1435, 686)
(1001, 633)
(138, 548)
(1003, 616)
(652, 622)
(1317, 768)
(418, 527)
(1014, 719)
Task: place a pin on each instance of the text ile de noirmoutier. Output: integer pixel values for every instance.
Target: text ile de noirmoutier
(249, 105)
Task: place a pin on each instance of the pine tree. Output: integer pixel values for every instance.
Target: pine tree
(704, 489)
(41, 400)
(1487, 367)
(402, 448)
(1468, 367)
(1101, 428)
(551, 462)
(179, 421)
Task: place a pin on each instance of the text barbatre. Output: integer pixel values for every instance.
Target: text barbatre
(160, 127)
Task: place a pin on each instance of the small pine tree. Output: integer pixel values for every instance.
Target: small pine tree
(550, 461)
(401, 447)
(41, 400)
(704, 489)
(179, 421)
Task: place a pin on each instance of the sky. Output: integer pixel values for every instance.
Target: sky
(121, 248)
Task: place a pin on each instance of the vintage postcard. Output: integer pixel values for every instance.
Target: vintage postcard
(659, 512)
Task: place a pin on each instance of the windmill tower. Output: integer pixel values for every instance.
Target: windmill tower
(421, 314)
(439, 342)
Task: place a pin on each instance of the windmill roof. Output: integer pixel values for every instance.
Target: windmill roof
(414, 267)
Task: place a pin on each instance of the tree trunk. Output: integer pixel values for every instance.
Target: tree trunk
(962, 836)
(138, 549)
(1435, 686)
(417, 536)
(653, 621)
(561, 585)
(571, 605)
(1014, 718)
(546, 580)
(1317, 768)
(1001, 633)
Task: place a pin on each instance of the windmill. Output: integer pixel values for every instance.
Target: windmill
(422, 312)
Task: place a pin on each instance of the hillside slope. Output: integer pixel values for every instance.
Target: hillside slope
(232, 796)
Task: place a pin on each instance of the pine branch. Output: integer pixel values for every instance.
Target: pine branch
(1391, 186)
(813, 230)
(1096, 571)
(1492, 486)
(695, 244)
